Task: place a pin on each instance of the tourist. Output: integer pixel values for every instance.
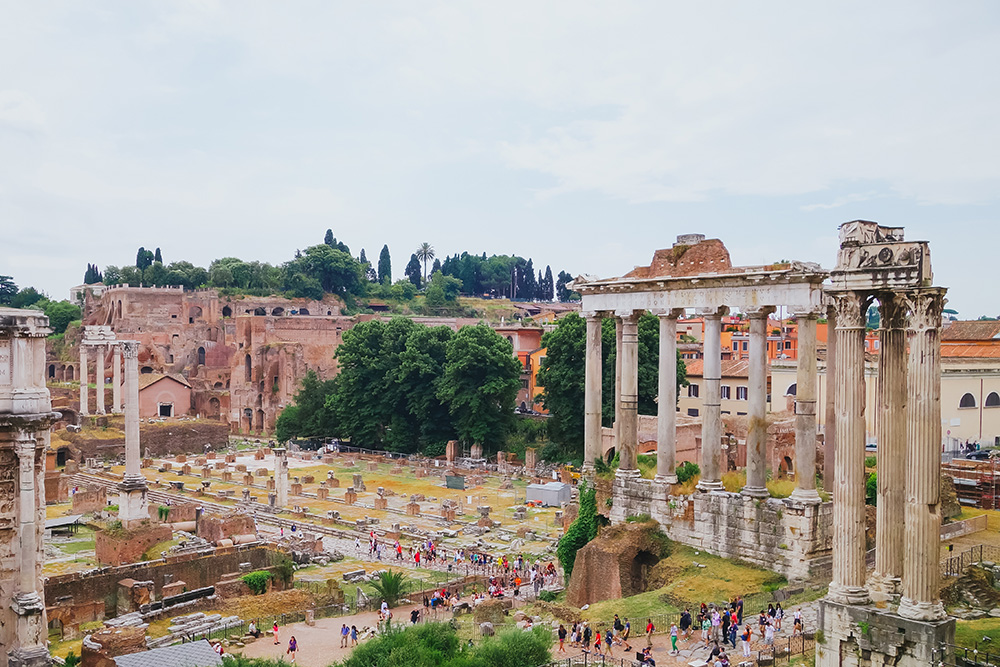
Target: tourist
(797, 623)
(274, 630)
(714, 653)
(574, 635)
(414, 616)
(253, 631)
(217, 647)
(586, 637)
(739, 610)
(745, 639)
(416, 557)
(725, 626)
(769, 634)
(293, 646)
(733, 630)
(771, 613)
(562, 638)
(626, 633)
(673, 640)
(608, 641)
(649, 631)
(354, 635)
(716, 624)
(706, 628)
(597, 642)
(686, 623)
(779, 614)
(647, 657)
(344, 634)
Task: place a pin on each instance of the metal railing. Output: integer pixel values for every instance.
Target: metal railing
(955, 566)
(980, 655)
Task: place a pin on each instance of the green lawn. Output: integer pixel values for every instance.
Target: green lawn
(969, 633)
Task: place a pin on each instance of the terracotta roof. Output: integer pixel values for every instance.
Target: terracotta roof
(970, 350)
(147, 379)
(730, 368)
(972, 330)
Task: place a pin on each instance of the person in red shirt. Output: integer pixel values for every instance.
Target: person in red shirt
(649, 632)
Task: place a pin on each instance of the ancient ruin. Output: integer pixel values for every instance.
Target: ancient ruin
(875, 263)
(696, 273)
(25, 418)
(133, 507)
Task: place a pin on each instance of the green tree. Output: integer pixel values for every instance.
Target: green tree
(425, 253)
(8, 290)
(337, 272)
(384, 266)
(562, 378)
(480, 383)
(308, 416)
(547, 287)
(563, 293)
(403, 290)
(328, 239)
(27, 297)
(581, 531)
(157, 257)
(389, 586)
(131, 276)
(419, 371)
(412, 271)
(143, 258)
(60, 314)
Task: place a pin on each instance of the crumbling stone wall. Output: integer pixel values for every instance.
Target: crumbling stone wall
(215, 528)
(615, 564)
(127, 546)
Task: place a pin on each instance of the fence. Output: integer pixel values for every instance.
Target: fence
(954, 566)
(961, 656)
(782, 651)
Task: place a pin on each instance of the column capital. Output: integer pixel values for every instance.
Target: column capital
(668, 313)
(807, 312)
(593, 314)
(849, 307)
(925, 308)
(629, 314)
(713, 312)
(130, 348)
(892, 309)
(759, 312)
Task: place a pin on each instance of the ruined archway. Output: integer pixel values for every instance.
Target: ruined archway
(278, 311)
(52, 371)
(227, 311)
(260, 420)
(260, 311)
(248, 363)
(639, 571)
(248, 419)
(201, 356)
(194, 314)
(214, 408)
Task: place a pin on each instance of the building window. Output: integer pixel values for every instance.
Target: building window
(166, 409)
(741, 393)
(524, 384)
(968, 401)
(993, 400)
(724, 391)
(692, 391)
(692, 412)
(741, 414)
(792, 388)
(746, 345)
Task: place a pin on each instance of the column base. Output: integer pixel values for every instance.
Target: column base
(921, 611)
(627, 474)
(116, 412)
(883, 588)
(36, 656)
(665, 479)
(808, 496)
(848, 595)
(755, 492)
(587, 469)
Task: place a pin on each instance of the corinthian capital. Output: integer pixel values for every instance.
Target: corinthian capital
(130, 348)
(925, 308)
(850, 310)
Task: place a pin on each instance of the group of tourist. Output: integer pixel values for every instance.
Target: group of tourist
(603, 640)
(720, 626)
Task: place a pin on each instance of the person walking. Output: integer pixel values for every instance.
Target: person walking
(293, 646)
(649, 631)
(745, 639)
(344, 632)
(562, 638)
(673, 639)
(354, 635)
(274, 631)
(626, 633)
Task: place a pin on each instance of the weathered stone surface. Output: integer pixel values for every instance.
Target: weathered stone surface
(615, 564)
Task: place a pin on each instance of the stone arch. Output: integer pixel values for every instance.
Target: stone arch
(303, 311)
(227, 311)
(248, 363)
(792, 389)
(640, 568)
(992, 400)
(217, 385)
(248, 418)
(194, 313)
(201, 356)
(260, 400)
(175, 340)
(52, 371)
(214, 408)
(260, 311)
(70, 373)
(146, 370)
(277, 312)
(967, 401)
(119, 309)
(260, 420)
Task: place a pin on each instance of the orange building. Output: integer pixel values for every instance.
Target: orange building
(525, 341)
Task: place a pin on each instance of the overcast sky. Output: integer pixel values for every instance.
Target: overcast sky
(583, 135)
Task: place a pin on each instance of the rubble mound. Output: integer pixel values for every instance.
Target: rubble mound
(617, 563)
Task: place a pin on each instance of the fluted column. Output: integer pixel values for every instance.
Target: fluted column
(756, 485)
(628, 409)
(891, 453)
(666, 408)
(99, 376)
(848, 585)
(711, 420)
(805, 411)
(29, 648)
(921, 574)
(116, 379)
(830, 428)
(25, 449)
(618, 382)
(592, 393)
(84, 380)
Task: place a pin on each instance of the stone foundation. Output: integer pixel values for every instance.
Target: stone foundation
(783, 535)
(863, 636)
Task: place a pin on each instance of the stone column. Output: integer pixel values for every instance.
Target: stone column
(628, 405)
(830, 428)
(891, 453)
(848, 585)
(281, 476)
(921, 571)
(756, 485)
(592, 393)
(30, 649)
(618, 381)
(805, 411)
(99, 376)
(116, 379)
(666, 408)
(132, 503)
(711, 414)
(84, 379)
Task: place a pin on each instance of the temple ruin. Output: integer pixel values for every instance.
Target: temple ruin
(25, 418)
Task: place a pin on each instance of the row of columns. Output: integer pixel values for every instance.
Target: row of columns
(908, 454)
(101, 351)
(626, 400)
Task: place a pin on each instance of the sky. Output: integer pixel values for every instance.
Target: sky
(584, 135)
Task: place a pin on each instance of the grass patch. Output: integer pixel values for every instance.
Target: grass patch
(969, 633)
(153, 552)
(734, 480)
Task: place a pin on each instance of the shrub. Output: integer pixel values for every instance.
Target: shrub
(72, 660)
(163, 511)
(547, 596)
(686, 471)
(284, 568)
(257, 581)
(581, 531)
(871, 489)
(389, 586)
(870, 461)
(638, 518)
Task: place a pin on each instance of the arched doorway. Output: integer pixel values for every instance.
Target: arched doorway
(52, 371)
(227, 311)
(260, 420)
(277, 312)
(249, 368)
(248, 419)
(214, 408)
(201, 356)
